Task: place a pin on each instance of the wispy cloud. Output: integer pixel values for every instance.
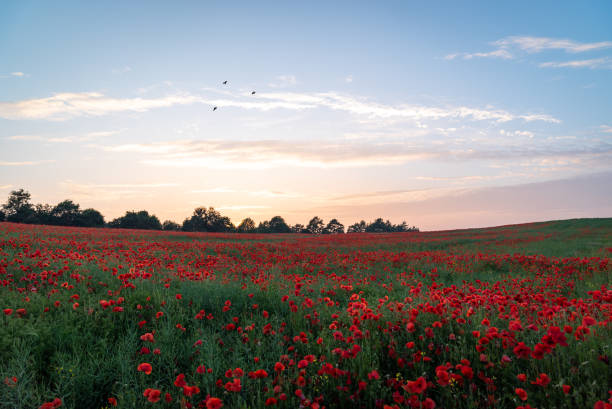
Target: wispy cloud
(121, 70)
(508, 47)
(25, 163)
(112, 191)
(4, 187)
(242, 207)
(501, 53)
(263, 154)
(64, 106)
(65, 139)
(606, 128)
(348, 79)
(591, 63)
(539, 44)
(17, 74)
(260, 193)
(69, 105)
(366, 107)
(284, 81)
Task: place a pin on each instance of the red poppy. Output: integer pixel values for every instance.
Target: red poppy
(152, 395)
(145, 367)
(214, 403)
(520, 392)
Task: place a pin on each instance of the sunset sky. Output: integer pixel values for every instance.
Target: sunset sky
(444, 116)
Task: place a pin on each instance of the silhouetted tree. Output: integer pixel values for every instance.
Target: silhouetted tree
(264, 227)
(66, 213)
(334, 227)
(90, 218)
(137, 220)
(207, 220)
(246, 226)
(171, 226)
(378, 226)
(18, 207)
(44, 214)
(298, 228)
(315, 225)
(2, 216)
(357, 227)
(278, 225)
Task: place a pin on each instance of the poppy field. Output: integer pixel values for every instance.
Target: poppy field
(510, 317)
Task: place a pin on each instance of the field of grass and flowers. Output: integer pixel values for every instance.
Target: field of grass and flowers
(506, 317)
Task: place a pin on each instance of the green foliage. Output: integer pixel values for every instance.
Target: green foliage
(137, 220)
(169, 225)
(207, 220)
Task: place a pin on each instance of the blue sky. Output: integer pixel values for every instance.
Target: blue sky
(362, 109)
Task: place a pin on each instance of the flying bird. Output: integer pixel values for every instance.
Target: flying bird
(214, 109)
(252, 92)
(224, 82)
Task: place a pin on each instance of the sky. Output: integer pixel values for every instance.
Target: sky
(445, 115)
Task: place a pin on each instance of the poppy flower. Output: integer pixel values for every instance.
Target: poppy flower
(145, 367)
(520, 392)
(152, 395)
(214, 403)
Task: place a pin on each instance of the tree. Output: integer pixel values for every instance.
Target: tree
(90, 218)
(137, 220)
(44, 213)
(169, 225)
(334, 227)
(264, 227)
(278, 225)
(298, 228)
(207, 220)
(378, 226)
(357, 227)
(2, 216)
(315, 225)
(66, 213)
(18, 207)
(246, 226)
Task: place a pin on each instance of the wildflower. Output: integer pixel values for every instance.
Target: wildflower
(152, 395)
(520, 392)
(214, 403)
(55, 403)
(145, 367)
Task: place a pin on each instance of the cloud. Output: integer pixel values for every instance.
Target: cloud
(112, 191)
(17, 74)
(606, 128)
(65, 106)
(81, 138)
(25, 163)
(242, 207)
(365, 107)
(284, 81)
(583, 196)
(348, 79)
(70, 105)
(501, 53)
(507, 48)
(592, 63)
(4, 187)
(122, 70)
(539, 44)
(264, 154)
(260, 193)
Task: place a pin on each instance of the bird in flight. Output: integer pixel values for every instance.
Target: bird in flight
(252, 92)
(225, 82)
(215, 108)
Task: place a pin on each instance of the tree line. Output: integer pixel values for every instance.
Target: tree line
(19, 209)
